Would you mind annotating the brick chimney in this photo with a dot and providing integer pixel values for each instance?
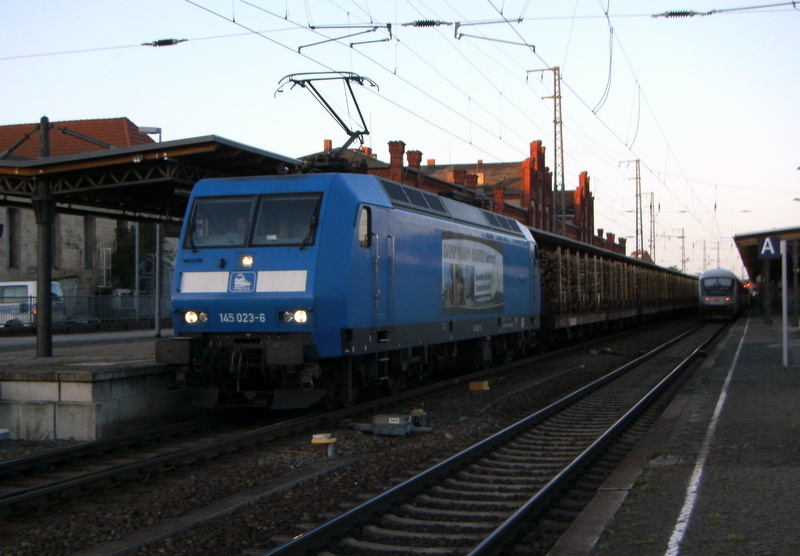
(327, 145)
(431, 162)
(499, 199)
(414, 159)
(459, 175)
(396, 150)
(471, 181)
(537, 155)
(583, 182)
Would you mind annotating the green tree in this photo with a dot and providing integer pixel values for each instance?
(123, 270)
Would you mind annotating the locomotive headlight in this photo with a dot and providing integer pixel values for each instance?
(299, 316)
(246, 261)
(191, 317)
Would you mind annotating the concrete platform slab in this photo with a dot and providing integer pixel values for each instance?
(746, 494)
(94, 386)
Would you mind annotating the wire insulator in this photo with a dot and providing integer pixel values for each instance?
(164, 42)
(677, 13)
(426, 23)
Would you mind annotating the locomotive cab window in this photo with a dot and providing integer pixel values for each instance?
(364, 227)
(718, 285)
(219, 222)
(286, 219)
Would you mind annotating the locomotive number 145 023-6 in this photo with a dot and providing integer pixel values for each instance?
(242, 317)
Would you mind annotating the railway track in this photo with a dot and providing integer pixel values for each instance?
(44, 479)
(520, 488)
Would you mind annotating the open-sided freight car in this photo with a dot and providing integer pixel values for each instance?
(586, 289)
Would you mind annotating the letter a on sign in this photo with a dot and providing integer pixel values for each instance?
(769, 248)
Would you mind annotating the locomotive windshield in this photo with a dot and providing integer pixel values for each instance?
(286, 219)
(219, 222)
(718, 285)
(280, 219)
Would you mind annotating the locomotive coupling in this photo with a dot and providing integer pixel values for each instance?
(307, 376)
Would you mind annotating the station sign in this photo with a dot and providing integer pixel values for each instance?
(769, 247)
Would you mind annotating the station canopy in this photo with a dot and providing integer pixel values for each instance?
(141, 182)
(758, 264)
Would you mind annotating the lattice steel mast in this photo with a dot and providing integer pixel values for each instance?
(639, 224)
(559, 193)
(653, 227)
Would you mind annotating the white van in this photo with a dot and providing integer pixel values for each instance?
(18, 303)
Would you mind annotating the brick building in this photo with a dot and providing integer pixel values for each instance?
(82, 245)
(521, 190)
(22, 141)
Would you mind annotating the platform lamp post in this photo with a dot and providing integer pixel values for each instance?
(44, 206)
(795, 262)
(150, 131)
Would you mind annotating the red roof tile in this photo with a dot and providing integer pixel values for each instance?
(117, 132)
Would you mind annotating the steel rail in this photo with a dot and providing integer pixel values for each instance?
(22, 464)
(500, 538)
(339, 526)
(17, 465)
(15, 502)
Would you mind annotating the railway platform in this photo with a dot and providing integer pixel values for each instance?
(718, 473)
(95, 385)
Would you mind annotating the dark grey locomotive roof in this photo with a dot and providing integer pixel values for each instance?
(410, 198)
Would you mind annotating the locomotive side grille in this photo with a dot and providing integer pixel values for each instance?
(501, 222)
(416, 199)
(411, 198)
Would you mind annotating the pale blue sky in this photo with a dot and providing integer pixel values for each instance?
(708, 103)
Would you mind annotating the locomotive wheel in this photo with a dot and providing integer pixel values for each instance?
(396, 378)
(346, 387)
(348, 401)
(394, 383)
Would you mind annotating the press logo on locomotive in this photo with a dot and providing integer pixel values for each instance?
(243, 282)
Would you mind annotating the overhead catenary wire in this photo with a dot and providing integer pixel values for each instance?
(607, 90)
(263, 34)
(447, 106)
(506, 107)
(692, 13)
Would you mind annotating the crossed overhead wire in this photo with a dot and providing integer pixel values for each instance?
(458, 30)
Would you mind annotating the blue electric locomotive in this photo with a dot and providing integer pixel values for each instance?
(293, 289)
(722, 294)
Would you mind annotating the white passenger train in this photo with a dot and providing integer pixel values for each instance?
(722, 294)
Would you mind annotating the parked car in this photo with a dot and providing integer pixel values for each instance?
(18, 303)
